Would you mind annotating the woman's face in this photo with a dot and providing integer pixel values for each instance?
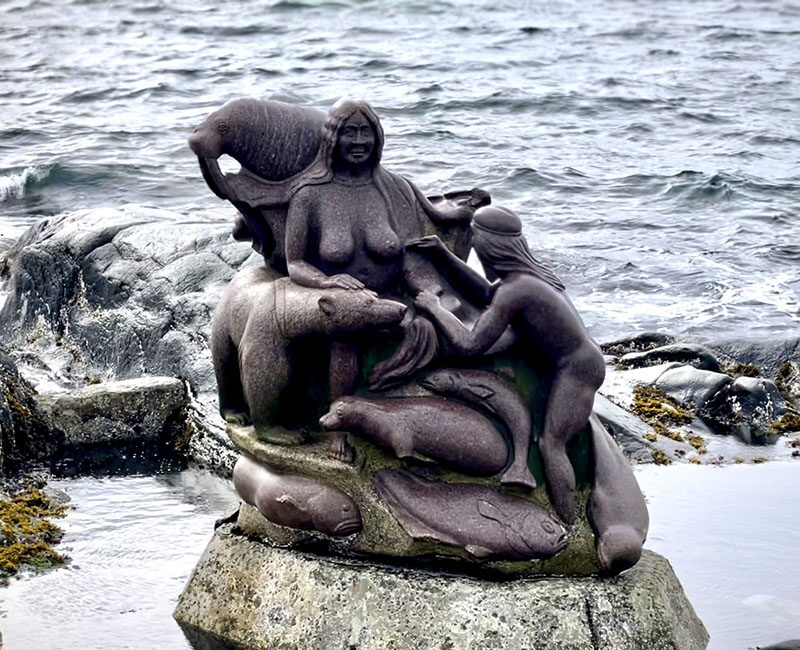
(356, 139)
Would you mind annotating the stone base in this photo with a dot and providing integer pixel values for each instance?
(244, 593)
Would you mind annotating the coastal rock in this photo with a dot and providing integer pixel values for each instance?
(249, 593)
(636, 438)
(147, 410)
(125, 292)
(636, 343)
(746, 407)
(788, 382)
(768, 354)
(691, 385)
(25, 436)
(122, 293)
(697, 356)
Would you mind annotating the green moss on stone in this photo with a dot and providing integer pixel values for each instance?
(27, 535)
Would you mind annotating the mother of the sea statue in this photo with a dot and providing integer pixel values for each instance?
(414, 434)
(464, 403)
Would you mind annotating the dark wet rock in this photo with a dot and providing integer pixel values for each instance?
(788, 382)
(128, 291)
(123, 293)
(697, 356)
(793, 644)
(746, 407)
(691, 385)
(148, 409)
(767, 354)
(25, 436)
(636, 343)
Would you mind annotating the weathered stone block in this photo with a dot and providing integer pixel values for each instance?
(246, 592)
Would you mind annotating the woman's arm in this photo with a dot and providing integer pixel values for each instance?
(487, 330)
(476, 288)
(300, 271)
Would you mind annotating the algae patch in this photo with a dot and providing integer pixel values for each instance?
(661, 412)
(26, 533)
(737, 369)
(789, 421)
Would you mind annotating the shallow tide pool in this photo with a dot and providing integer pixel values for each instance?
(731, 533)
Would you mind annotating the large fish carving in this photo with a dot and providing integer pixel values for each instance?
(484, 522)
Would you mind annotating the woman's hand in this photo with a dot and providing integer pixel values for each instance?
(427, 301)
(429, 243)
(342, 281)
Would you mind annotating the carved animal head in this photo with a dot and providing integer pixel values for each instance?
(619, 548)
(440, 381)
(334, 513)
(347, 311)
(538, 532)
(335, 417)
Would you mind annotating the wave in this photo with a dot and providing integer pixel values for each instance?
(14, 184)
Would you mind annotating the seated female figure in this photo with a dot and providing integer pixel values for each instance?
(347, 225)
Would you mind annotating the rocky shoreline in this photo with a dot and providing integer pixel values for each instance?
(107, 324)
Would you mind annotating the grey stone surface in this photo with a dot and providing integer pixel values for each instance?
(118, 412)
(691, 385)
(261, 597)
(127, 291)
(692, 354)
(768, 354)
(121, 293)
(636, 343)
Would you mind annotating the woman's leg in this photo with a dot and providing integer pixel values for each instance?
(343, 375)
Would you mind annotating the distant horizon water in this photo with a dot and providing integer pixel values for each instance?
(652, 150)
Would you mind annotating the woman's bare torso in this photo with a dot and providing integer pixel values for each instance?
(349, 232)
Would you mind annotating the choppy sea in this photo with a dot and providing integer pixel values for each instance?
(652, 149)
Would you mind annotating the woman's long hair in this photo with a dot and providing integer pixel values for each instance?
(502, 253)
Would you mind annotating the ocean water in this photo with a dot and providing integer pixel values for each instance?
(134, 540)
(652, 149)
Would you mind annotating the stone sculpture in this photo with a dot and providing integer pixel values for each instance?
(529, 295)
(481, 520)
(488, 392)
(444, 394)
(442, 430)
(296, 501)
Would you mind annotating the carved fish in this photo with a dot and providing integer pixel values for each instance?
(484, 522)
(296, 501)
(616, 508)
(487, 391)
